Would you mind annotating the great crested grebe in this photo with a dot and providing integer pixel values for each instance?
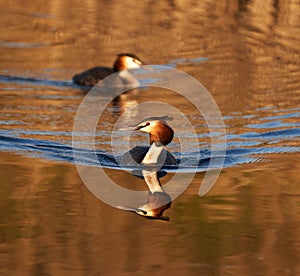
(92, 76)
(161, 134)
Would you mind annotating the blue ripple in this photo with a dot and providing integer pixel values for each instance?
(292, 132)
(273, 124)
(6, 44)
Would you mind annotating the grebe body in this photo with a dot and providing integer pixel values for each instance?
(137, 154)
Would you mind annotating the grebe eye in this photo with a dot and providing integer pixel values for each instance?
(147, 124)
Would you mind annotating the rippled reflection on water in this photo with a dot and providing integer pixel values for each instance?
(246, 53)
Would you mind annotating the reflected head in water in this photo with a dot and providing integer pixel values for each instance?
(157, 203)
(92, 76)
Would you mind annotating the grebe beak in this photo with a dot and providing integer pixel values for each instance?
(146, 67)
(132, 209)
(142, 213)
(134, 127)
(129, 128)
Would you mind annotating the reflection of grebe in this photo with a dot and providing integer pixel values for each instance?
(92, 76)
(161, 134)
(158, 201)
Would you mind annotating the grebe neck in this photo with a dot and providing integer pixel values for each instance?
(153, 153)
(150, 162)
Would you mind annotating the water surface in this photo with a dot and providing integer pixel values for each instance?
(246, 53)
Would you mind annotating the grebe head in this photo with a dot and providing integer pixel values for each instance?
(159, 131)
(156, 204)
(127, 61)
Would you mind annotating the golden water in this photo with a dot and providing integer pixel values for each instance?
(248, 224)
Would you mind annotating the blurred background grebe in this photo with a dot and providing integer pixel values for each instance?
(246, 53)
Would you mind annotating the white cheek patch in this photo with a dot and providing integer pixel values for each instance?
(130, 64)
(146, 129)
